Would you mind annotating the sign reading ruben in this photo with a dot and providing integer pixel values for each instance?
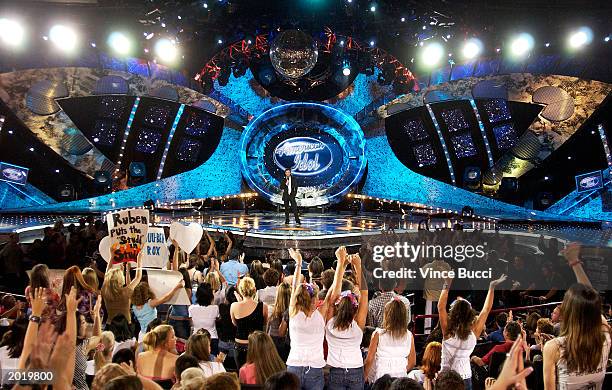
(127, 230)
(305, 156)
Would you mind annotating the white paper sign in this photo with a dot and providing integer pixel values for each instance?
(104, 248)
(187, 237)
(161, 281)
(127, 230)
(156, 252)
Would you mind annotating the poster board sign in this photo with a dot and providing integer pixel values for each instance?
(127, 230)
(156, 252)
(162, 281)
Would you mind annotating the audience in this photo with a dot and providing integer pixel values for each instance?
(282, 335)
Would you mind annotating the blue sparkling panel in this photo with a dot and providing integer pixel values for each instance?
(486, 68)
(197, 124)
(105, 132)
(461, 71)
(424, 154)
(112, 107)
(137, 66)
(454, 119)
(113, 63)
(464, 145)
(148, 141)
(157, 116)
(415, 130)
(441, 75)
(497, 110)
(189, 149)
(505, 135)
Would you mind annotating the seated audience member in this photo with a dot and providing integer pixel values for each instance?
(159, 361)
(544, 332)
(383, 383)
(204, 314)
(555, 318)
(184, 362)
(192, 379)
(405, 384)
(39, 278)
(268, 294)
(283, 296)
(497, 336)
(125, 355)
(282, 380)
(198, 345)
(449, 380)
(262, 360)
(248, 316)
(104, 350)
(125, 382)
(511, 331)
(144, 304)
(122, 331)
(222, 381)
(391, 349)
(430, 366)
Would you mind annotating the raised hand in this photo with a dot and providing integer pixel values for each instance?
(495, 283)
(295, 254)
(513, 372)
(71, 300)
(341, 254)
(37, 300)
(572, 253)
(98, 306)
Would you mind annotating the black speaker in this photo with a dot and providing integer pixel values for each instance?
(66, 192)
(543, 200)
(606, 200)
(508, 188)
(138, 174)
(472, 178)
(103, 181)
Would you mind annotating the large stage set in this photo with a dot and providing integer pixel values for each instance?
(496, 144)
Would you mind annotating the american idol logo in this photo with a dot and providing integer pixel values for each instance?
(589, 182)
(305, 156)
(13, 174)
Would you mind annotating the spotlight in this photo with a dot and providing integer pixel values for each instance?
(373, 8)
(120, 43)
(403, 19)
(11, 32)
(582, 36)
(205, 5)
(63, 37)
(472, 48)
(166, 50)
(522, 44)
(346, 70)
(432, 53)
(607, 39)
(372, 43)
(220, 41)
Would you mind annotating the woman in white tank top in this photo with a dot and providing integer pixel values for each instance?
(344, 328)
(577, 359)
(391, 348)
(460, 330)
(307, 329)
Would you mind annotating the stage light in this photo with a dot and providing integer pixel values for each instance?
(547, 44)
(581, 37)
(607, 39)
(11, 32)
(166, 50)
(373, 8)
(472, 48)
(93, 44)
(64, 38)
(403, 19)
(346, 70)
(220, 41)
(522, 44)
(372, 43)
(205, 5)
(120, 43)
(432, 54)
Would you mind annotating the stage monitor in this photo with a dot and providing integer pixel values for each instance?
(13, 173)
(592, 181)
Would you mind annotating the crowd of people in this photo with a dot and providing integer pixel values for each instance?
(300, 325)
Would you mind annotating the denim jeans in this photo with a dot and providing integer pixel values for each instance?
(310, 378)
(468, 383)
(345, 379)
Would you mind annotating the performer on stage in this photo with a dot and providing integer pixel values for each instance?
(289, 188)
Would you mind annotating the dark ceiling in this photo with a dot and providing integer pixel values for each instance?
(202, 23)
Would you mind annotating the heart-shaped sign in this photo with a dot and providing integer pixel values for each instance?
(105, 249)
(175, 227)
(187, 237)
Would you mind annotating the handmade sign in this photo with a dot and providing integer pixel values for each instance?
(105, 249)
(127, 231)
(187, 237)
(162, 281)
(156, 252)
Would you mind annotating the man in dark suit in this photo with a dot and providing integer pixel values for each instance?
(289, 187)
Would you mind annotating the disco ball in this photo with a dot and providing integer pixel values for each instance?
(293, 53)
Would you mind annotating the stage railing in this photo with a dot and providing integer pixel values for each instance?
(513, 309)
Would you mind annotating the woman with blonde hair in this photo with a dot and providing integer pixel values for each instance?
(577, 358)
(104, 350)
(217, 282)
(85, 293)
(307, 326)
(430, 366)
(248, 316)
(91, 278)
(391, 348)
(283, 296)
(158, 362)
(222, 381)
(117, 290)
(198, 345)
(262, 360)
